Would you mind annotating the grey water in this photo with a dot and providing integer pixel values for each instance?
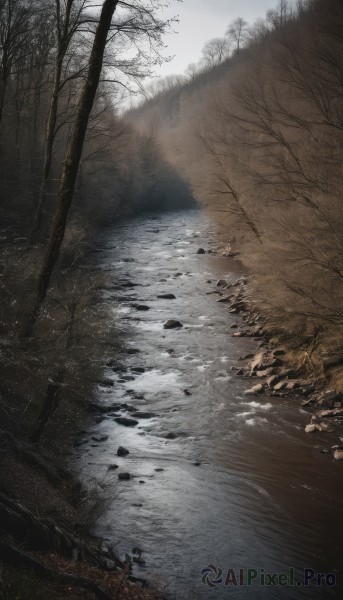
(219, 480)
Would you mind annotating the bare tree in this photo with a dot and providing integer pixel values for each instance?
(73, 157)
(15, 29)
(237, 32)
(68, 18)
(215, 51)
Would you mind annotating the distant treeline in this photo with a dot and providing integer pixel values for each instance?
(259, 137)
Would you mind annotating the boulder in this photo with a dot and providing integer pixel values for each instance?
(124, 476)
(122, 451)
(141, 307)
(201, 251)
(310, 428)
(172, 324)
(280, 386)
(265, 373)
(326, 414)
(338, 455)
(257, 389)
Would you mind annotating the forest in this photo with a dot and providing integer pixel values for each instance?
(252, 134)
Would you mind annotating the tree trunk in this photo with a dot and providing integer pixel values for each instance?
(49, 142)
(72, 160)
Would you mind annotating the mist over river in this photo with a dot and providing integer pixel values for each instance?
(217, 478)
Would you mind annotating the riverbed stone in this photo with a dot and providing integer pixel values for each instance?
(201, 251)
(310, 428)
(141, 307)
(124, 476)
(257, 389)
(280, 386)
(265, 373)
(172, 324)
(126, 421)
(122, 451)
(166, 297)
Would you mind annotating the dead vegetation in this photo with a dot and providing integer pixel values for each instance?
(260, 138)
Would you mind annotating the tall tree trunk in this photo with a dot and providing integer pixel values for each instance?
(64, 37)
(72, 159)
(49, 142)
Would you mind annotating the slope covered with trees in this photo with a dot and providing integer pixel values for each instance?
(258, 133)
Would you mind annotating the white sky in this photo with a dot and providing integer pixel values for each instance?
(201, 20)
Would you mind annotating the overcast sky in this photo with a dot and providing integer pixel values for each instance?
(201, 20)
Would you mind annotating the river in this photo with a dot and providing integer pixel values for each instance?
(219, 480)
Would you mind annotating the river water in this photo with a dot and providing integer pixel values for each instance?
(219, 480)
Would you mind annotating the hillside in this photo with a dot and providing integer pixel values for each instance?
(259, 139)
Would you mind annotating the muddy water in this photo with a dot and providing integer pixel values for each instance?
(217, 478)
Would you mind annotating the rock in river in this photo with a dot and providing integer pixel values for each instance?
(201, 251)
(338, 455)
(126, 421)
(172, 324)
(122, 451)
(141, 307)
(124, 476)
(166, 297)
(257, 389)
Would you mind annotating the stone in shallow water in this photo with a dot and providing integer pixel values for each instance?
(122, 451)
(124, 476)
(141, 307)
(126, 421)
(166, 297)
(257, 389)
(172, 324)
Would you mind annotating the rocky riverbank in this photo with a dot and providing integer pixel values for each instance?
(46, 549)
(273, 368)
